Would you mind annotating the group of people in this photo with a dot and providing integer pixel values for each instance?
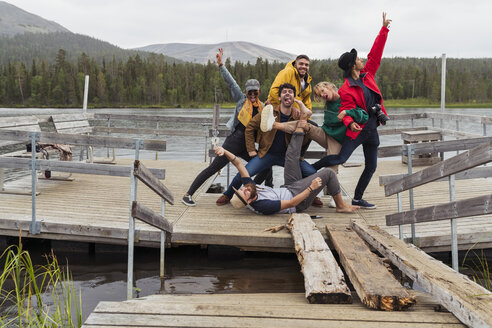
(283, 130)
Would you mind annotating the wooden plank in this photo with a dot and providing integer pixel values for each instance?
(150, 217)
(16, 122)
(481, 205)
(74, 167)
(84, 140)
(58, 118)
(169, 132)
(468, 301)
(406, 117)
(455, 117)
(323, 279)
(481, 154)
(71, 124)
(473, 173)
(390, 131)
(457, 134)
(376, 286)
(433, 147)
(420, 135)
(153, 118)
(151, 181)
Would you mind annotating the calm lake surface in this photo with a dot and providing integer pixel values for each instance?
(100, 274)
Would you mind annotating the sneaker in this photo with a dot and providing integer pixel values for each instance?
(223, 200)
(363, 204)
(317, 202)
(187, 200)
(267, 118)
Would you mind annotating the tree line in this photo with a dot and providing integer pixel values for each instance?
(154, 81)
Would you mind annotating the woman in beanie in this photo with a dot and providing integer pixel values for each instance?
(247, 106)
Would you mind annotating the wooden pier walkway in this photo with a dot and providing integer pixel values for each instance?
(96, 209)
(260, 310)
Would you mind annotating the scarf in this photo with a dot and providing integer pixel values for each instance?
(246, 113)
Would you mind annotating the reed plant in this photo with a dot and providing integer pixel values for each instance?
(479, 266)
(37, 295)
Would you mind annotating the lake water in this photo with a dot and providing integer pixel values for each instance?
(101, 275)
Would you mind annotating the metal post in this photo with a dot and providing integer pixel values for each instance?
(457, 129)
(454, 233)
(443, 85)
(413, 123)
(157, 135)
(163, 241)
(433, 123)
(131, 223)
(400, 208)
(484, 129)
(34, 227)
(86, 92)
(2, 177)
(109, 126)
(228, 172)
(410, 192)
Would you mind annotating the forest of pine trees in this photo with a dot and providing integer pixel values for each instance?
(152, 81)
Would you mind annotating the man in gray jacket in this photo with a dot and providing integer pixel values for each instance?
(247, 106)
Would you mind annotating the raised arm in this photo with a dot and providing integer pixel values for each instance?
(219, 151)
(374, 56)
(297, 199)
(236, 92)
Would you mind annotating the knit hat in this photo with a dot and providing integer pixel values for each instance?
(252, 84)
(347, 60)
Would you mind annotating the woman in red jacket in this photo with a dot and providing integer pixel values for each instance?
(360, 90)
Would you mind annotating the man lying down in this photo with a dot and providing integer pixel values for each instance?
(297, 194)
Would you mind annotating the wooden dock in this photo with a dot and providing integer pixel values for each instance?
(96, 209)
(260, 310)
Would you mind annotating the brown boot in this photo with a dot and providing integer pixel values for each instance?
(317, 202)
(223, 200)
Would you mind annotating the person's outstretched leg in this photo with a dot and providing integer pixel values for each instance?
(348, 148)
(370, 147)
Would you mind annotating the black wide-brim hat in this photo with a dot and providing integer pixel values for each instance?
(347, 60)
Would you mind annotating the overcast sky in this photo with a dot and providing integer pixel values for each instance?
(318, 28)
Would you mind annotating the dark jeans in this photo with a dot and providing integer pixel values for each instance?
(235, 144)
(369, 139)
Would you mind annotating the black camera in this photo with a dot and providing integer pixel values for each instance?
(380, 115)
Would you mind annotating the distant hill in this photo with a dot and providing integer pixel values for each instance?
(24, 37)
(237, 51)
(14, 20)
(28, 46)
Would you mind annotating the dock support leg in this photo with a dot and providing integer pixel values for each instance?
(454, 233)
(410, 192)
(163, 242)
(34, 227)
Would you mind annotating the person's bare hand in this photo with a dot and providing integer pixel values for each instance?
(386, 22)
(303, 124)
(341, 115)
(316, 183)
(252, 153)
(218, 56)
(355, 127)
(219, 151)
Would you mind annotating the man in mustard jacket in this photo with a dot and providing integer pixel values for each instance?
(295, 73)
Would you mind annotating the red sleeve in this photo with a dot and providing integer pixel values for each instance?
(347, 102)
(374, 56)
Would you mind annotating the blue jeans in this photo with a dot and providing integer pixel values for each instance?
(258, 164)
(369, 139)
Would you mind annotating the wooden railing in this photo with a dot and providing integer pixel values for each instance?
(142, 213)
(481, 205)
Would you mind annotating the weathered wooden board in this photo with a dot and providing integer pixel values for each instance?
(478, 155)
(323, 278)
(148, 216)
(152, 181)
(376, 286)
(473, 173)
(74, 167)
(480, 205)
(468, 301)
(84, 140)
(259, 310)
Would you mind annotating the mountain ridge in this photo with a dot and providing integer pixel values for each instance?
(241, 51)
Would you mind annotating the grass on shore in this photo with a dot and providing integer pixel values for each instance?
(36, 296)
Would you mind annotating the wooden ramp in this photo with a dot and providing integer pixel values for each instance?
(96, 209)
(260, 310)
